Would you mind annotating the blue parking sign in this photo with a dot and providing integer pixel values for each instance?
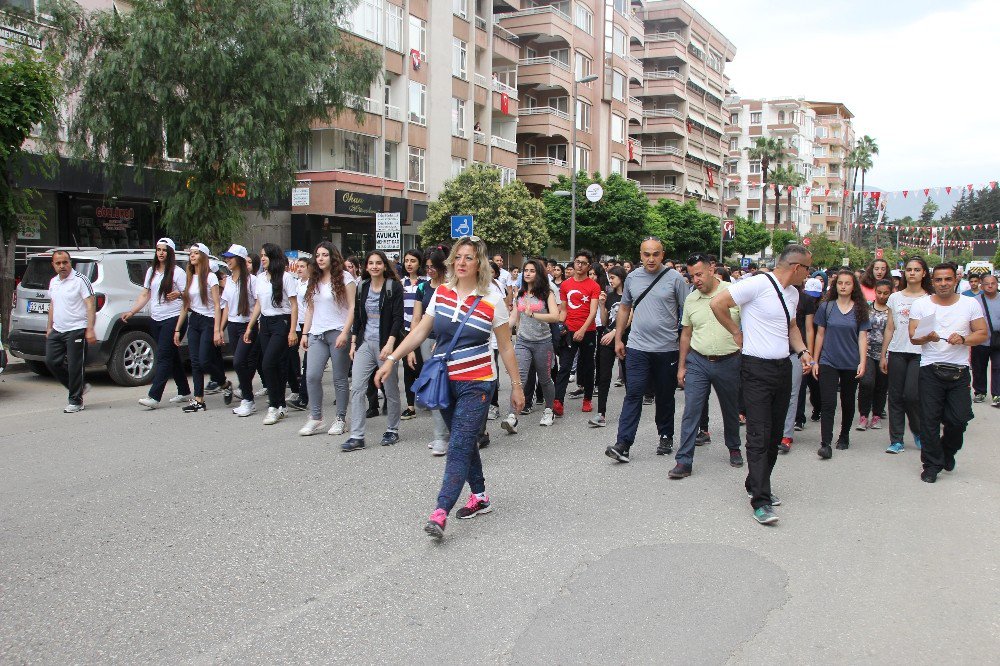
(745, 262)
(461, 225)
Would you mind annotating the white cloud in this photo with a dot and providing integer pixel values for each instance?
(918, 78)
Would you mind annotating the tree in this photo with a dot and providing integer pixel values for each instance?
(232, 85)
(751, 238)
(861, 159)
(683, 228)
(614, 225)
(996, 258)
(781, 238)
(766, 150)
(505, 217)
(28, 96)
(788, 178)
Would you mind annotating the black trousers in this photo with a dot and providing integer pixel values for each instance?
(168, 359)
(904, 394)
(245, 356)
(983, 356)
(831, 383)
(410, 375)
(873, 390)
(274, 356)
(66, 356)
(584, 366)
(770, 381)
(605, 365)
(945, 409)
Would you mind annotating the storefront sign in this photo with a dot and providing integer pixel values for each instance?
(14, 38)
(300, 196)
(387, 231)
(29, 227)
(346, 202)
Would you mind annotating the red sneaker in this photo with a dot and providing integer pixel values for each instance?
(786, 445)
(587, 407)
(557, 407)
(435, 524)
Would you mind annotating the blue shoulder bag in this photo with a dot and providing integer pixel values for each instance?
(431, 388)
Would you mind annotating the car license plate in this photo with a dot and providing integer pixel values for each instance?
(40, 307)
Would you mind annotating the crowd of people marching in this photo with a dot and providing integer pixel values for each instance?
(766, 340)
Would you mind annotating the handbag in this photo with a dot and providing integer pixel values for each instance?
(994, 334)
(431, 389)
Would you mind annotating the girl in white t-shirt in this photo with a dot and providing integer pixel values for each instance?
(237, 304)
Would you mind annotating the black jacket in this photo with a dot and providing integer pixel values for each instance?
(390, 305)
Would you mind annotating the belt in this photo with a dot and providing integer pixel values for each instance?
(716, 357)
(769, 361)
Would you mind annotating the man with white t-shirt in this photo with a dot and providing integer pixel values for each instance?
(769, 335)
(945, 397)
(70, 328)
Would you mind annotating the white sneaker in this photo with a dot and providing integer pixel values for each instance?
(311, 427)
(149, 402)
(272, 416)
(439, 447)
(262, 391)
(510, 424)
(72, 409)
(493, 414)
(547, 417)
(338, 427)
(246, 408)
(181, 399)
(293, 398)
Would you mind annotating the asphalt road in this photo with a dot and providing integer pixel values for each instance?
(135, 536)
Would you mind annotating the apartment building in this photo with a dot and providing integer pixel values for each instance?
(678, 96)
(792, 121)
(831, 176)
(447, 98)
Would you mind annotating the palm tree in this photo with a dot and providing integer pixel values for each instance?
(788, 178)
(861, 159)
(766, 150)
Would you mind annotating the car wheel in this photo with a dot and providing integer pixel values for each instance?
(38, 367)
(132, 359)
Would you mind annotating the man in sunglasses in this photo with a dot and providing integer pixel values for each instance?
(766, 302)
(651, 301)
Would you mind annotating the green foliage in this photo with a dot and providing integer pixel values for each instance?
(781, 238)
(996, 258)
(928, 211)
(683, 228)
(507, 217)
(239, 82)
(614, 225)
(751, 238)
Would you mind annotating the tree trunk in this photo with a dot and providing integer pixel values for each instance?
(777, 206)
(6, 281)
(764, 163)
(854, 213)
(862, 204)
(790, 213)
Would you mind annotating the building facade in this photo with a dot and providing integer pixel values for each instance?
(831, 210)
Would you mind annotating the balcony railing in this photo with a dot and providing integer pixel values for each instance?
(535, 11)
(635, 100)
(533, 161)
(480, 22)
(393, 112)
(366, 104)
(666, 74)
(480, 80)
(659, 189)
(670, 35)
(662, 150)
(544, 60)
(662, 113)
(503, 144)
(540, 110)
(503, 33)
(501, 87)
(479, 138)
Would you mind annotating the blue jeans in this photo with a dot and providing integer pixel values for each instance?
(168, 359)
(465, 417)
(703, 375)
(658, 370)
(201, 347)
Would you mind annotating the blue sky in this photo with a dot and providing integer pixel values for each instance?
(916, 74)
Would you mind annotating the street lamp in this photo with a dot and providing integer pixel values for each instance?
(572, 214)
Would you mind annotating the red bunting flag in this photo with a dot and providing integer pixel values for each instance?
(807, 190)
(970, 187)
(905, 192)
(927, 191)
(947, 189)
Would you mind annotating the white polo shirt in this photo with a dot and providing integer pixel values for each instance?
(69, 311)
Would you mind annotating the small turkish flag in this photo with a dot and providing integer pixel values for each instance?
(905, 192)
(690, 126)
(711, 178)
(927, 191)
(415, 58)
(505, 104)
(948, 189)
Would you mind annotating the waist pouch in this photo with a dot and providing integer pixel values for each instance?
(948, 372)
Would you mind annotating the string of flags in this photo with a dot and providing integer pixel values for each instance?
(805, 191)
(924, 242)
(921, 229)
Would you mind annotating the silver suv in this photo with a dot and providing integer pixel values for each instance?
(127, 350)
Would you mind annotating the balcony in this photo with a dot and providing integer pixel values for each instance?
(663, 158)
(529, 23)
(541, 170)
(732, 202)
(503, 144)
(545, 71)
(479, 137)
(784, 128)
(545, 121)
(505, 45)
(663, 120)
(659, 189)
(732, 129)
(366, 104)
(667, 82)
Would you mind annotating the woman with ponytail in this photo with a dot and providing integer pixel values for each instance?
(237, 305)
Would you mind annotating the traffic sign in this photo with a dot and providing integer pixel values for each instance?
(461, 225)
(807, 241)
(594, 192)
(878, 253)
(745, 263)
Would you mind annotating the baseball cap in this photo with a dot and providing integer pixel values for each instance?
(813, 287)
(896, 273)
(201, 247)
(235, 251)
(214, 265)
(166, 241)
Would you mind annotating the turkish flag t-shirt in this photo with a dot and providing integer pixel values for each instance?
(577, 295)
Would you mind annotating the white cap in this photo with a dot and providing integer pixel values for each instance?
(201, 247)
(166, 241)
(214, 265)
(814, 285)
(236, 251)
(896, 273)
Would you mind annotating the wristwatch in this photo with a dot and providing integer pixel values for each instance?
(392, 358)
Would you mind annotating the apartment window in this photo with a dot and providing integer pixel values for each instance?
(734, 118)
(530, 150)
(460, 59)
(418, 103)
(584, 65)
(821, 132)
(618, 166)
(418, 36)
(417, 179)
(391, 160)
(582, 115)
(559, 104)
(394, 27)
(366, 20)
(582, 159)
(457, 166)
(530, 102)
(617, 128)
(557, 152)
(754, 192)
(618, 85)
(562, 55)
(734, 143)
(755, 166)
(458, 117)
(819, 209)
(583, 19)
(458, 7)
(621, 6)
(507, 176)
(733, 167)
(348, 151)
(619, 42)
(819, 151)
(755, 117)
